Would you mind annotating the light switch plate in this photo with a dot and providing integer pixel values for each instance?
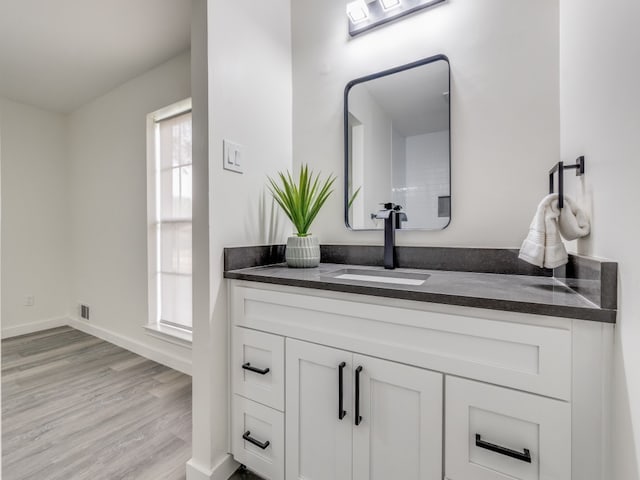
(232, 156)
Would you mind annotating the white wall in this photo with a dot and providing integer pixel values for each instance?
(600, 105)
(248, 94)
(504, 101)
(377, 149)
(108, 205)
(398, 165)
(35, 253)
(427, 178)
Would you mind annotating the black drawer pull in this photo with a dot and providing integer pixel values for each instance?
(247, 436)
(341, 410)
(261, 371)
(358, 418)
(523, 457)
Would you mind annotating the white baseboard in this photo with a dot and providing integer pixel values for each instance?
(222, 471)
(32, 327)
(134, 346)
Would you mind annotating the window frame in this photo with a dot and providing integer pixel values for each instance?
(170, 331)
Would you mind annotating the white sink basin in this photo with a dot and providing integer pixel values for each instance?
(381, 276)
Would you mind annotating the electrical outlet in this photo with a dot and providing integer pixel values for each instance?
(29, 301)
(84, 311)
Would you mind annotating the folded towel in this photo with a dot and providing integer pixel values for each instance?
(573, 221)
(543, 246)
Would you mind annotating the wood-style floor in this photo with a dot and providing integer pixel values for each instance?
(75, 407)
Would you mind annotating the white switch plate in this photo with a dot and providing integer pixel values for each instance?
(232, 156)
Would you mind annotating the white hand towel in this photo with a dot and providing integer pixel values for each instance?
(573, 221)
(543, 246)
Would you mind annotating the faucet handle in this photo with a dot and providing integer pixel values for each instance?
(391, 206)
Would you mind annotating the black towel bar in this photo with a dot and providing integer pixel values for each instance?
(560, 167)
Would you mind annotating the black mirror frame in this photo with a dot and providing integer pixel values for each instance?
(373, 76)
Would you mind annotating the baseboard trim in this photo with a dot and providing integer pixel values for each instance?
(222, 471)
(138, 348)
(32, 327)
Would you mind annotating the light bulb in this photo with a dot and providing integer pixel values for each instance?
(358, 11)
(389, 4)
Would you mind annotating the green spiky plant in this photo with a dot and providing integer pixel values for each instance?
(353, 197)
(301, 200)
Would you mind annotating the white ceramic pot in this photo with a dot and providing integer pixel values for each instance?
(302, 252)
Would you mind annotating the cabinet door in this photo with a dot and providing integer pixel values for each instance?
(318, 442)
(400, 432)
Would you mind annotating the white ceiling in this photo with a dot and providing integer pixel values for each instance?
(59, 54)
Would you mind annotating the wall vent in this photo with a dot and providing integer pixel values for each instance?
(84, 311)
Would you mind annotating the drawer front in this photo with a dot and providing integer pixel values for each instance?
(493, 433)
(257, 438)
(258, 366)
(522, 356)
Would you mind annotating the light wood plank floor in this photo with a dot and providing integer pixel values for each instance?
(75, 407)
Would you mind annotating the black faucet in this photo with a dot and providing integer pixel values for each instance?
(393, 218)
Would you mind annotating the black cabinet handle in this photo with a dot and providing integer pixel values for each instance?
(247, 436)
(260, 371)
(522, 456)
(341, 410)
(358, 418)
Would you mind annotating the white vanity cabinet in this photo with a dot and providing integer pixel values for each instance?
(337, 386)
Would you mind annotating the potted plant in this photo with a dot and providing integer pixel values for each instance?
(301, 201)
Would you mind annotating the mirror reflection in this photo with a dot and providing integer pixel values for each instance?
(397, 146)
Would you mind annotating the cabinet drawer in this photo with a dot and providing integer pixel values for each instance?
(257, 437)
(493, 433)
(257, 368)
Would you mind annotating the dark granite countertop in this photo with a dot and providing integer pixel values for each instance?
(536, 294)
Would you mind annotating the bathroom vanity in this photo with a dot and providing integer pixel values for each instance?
(349, 372)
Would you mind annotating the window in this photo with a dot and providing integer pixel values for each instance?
(169, 210)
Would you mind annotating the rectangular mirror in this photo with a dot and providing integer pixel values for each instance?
(397, 146)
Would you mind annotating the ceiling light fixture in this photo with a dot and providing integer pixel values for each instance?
(367, 14)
